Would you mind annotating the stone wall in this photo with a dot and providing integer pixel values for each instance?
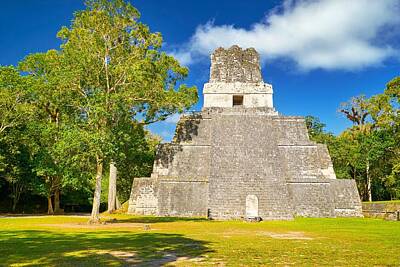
(386, 210)
(244, 163)
(143, 199)
(312, 198)
(221, 94)
(181, 170)
(347, 199)
(182, 198)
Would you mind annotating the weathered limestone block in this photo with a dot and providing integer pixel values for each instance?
(143, 199)
(187, 157)
(189, 131)
(312, 198)
(235, 65)
(387, 210)
(183, 198)
(347, 200)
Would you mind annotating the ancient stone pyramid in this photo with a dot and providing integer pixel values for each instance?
(240, 159)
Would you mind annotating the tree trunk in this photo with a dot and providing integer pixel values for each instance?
(95, 217)
(369, 188)
(14, 205)
(49, 206)
(112, 188)
(17, 189)
(118, 204)
(57, 209)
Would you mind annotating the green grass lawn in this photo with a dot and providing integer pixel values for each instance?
(150, 241)
(383, 202)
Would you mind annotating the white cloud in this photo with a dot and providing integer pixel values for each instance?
(327, 34)
(173, 119)
(184, 57)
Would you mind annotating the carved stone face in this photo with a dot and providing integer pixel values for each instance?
(235, 65)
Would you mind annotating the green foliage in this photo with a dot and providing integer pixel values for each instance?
(15, 112)
(316, 130)
(86, 104)
(14, 104)
(136, 160)
(373, 151)
(120, 76)
(50, 124)
(119, 73)
(314, 126)
(369, 150)
(17, 166)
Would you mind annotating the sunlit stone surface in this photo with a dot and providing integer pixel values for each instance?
(239, 159)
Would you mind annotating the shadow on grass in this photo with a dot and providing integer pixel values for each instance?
(96, 248)
(153, 219)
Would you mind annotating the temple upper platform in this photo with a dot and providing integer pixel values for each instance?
(236, 80)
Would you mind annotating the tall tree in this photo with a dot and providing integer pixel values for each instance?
(357, 111)
(120, 75)
(385, 110)
(374, 135)
(15, 112)
(50, 98)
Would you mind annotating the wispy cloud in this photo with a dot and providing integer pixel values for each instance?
(173, 118)
(325, 34)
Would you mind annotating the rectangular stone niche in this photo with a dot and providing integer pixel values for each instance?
(238, 100)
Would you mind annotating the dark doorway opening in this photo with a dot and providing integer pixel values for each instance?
(237, 100)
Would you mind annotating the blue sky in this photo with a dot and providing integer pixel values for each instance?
(316, 54)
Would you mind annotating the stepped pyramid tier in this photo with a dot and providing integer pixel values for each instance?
(239, 159)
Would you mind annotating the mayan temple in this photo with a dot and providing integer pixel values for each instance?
(240, 159)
